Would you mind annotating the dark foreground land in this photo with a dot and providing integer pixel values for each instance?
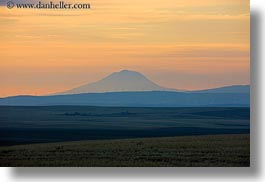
(49, 124)
(124, 136)
(211, 150)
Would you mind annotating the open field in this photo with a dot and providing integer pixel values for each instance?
(25, 125)
(124, 136)
(211, 150)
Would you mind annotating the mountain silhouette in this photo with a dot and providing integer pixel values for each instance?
(132, 89)
(123, 81)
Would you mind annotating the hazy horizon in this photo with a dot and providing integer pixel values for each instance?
(176, 44)
(120, 71)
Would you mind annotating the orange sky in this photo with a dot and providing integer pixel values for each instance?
(177, 44)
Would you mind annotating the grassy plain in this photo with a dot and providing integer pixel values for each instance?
(182, 151)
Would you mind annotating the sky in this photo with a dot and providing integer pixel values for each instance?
(177, 44)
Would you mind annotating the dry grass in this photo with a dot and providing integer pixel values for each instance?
(206, 151)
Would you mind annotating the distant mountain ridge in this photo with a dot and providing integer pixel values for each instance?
(226, 89)
(123, 81)
(130, 88)
(135, 99)
(132, 81)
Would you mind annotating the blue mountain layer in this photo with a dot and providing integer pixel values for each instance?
(135, 99)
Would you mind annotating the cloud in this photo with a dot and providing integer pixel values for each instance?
(208, 53)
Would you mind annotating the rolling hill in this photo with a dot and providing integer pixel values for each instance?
(135, 99)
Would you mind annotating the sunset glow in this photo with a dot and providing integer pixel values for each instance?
(177, 44)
